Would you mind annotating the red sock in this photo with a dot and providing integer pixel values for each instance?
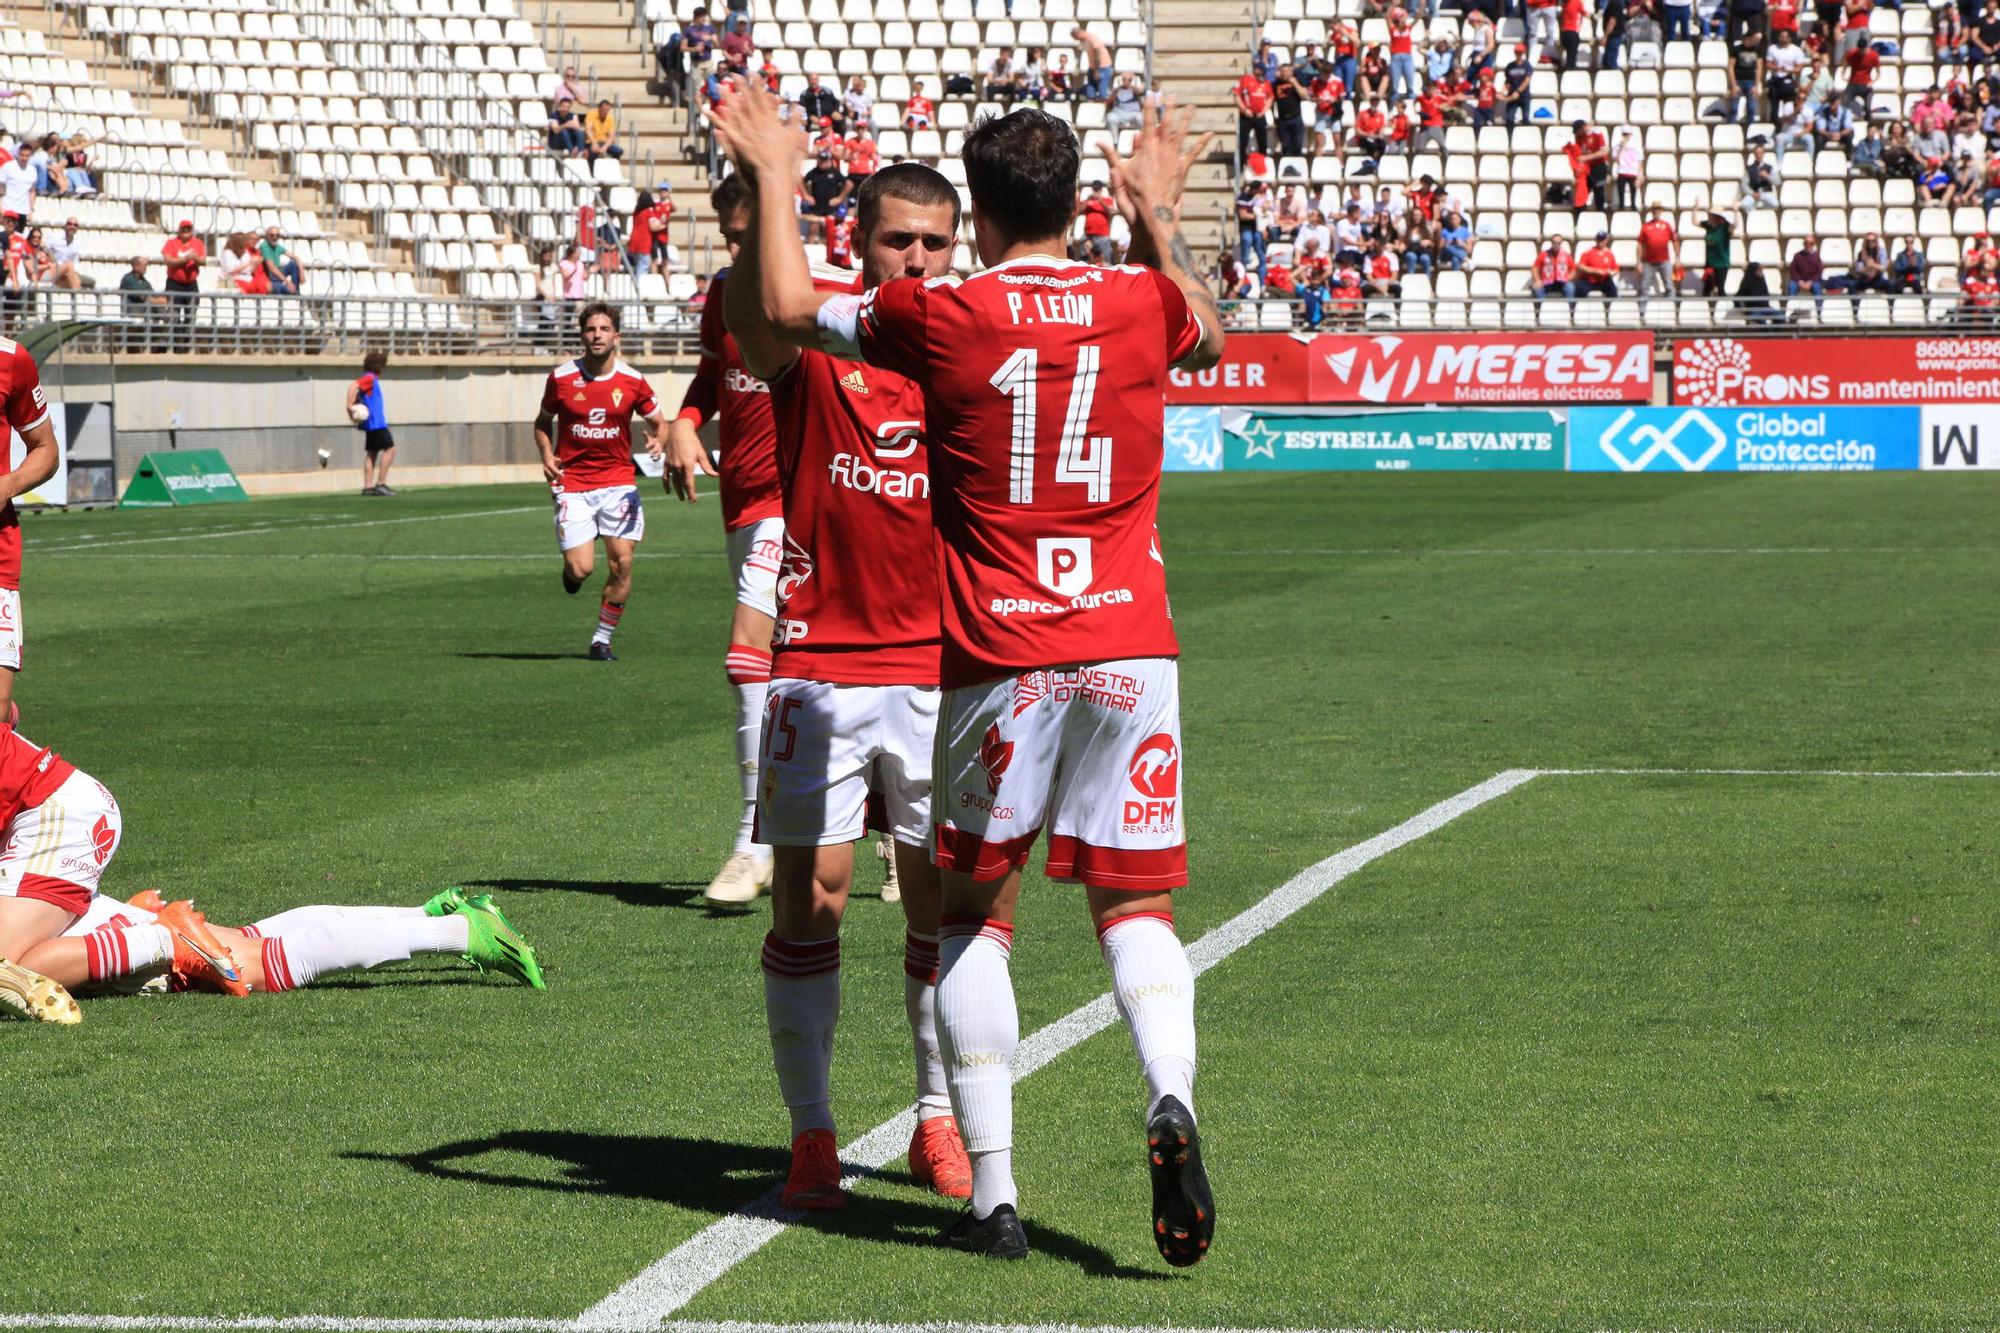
(607, 621)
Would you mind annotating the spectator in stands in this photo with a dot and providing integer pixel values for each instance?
(1716, 233)
(1990, 196)
(1278, 282)
(568, 90)
(1266, 61)
(863, 157)
(600, 132)
(1753, 296)
(1516, 104)
(1482, 42)
(1330, 104)
(140, 302)
(1249, 231)
(38, 265)
(1373, 80)
(1288, 99)
(1746, 79)
(1853, 28)
(1312, 275)
(1346, 292)
(1615, 21)
(1380, 268)
(737, 45)
(1097, 210)
(18, 185)
(574, 271)
(74, 155)
(1289, 211)
(1870, 270)
(1544, 28)
(669, 60)
(1806, 273)
(1253, 104)
(1969, 140)
(1797, 132)
(1966, 183)
(1933, 140)
(1097, 64)
(1597, 268)
(1867, 159)
(1554, 271)
(1760, 181)
(1431, 110)
(858, 105)
(1125, 108)
(549, 287)
(1371, 130)
(1680, 20)
(1440, 61)
(1315, 228)
(1350, 234)
(1864, 64)
(1485, 97)
(241, 267)
(1745, 17)
(1948, 38)
(818, 103)
(1833, 127)
(825, 189)
(919, 110)
(282, 275)
(65, 253)
(1657, 242)
(1783, 63)
(185, 253)
(1911, 267)
(1628, 165)
(1403, 80)
(1935, 182)
(1594, 163)
(1003, 80)
(639, 234)
(1570, 23)
(1454, 240)
(566, 130)
(699, 39)
(1979, 294)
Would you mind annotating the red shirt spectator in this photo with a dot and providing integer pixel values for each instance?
(1399, 126)
(1256, 94)
(1572, 16)
(178, 252)
(918, 112)
(1382, 266)
(1345, 42)
(1278, 278)
(1981, 290)
(1553, 266)
(1097, 211)
(1656, 241)
(1784, 16)
(1370, 121)
(1598, 262)
(1401, 40)
(1329, 94)
(862, 156)
(1430, 107)
(1862, 62)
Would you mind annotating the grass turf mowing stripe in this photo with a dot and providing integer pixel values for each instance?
(339, 1324)
(683, 1272)
(267, 529)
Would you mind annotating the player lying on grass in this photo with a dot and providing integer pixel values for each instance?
(584, 431)
(1043, 383)
(852, 705)
(61, 829)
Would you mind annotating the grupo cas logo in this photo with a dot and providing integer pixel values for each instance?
(994, 756)
(1719, 372)
(103, 837)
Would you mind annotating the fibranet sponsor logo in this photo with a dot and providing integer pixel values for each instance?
(858, 474)
(1391, 369)
(742, 381)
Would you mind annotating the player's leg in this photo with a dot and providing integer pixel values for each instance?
(576, 536)
(26, 923)
(388, 456)
(755, 550)
(818, 744)
(1116, 823)
(367, 470)
(621, 522)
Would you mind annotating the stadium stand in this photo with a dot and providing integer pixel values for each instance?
(1745, 152)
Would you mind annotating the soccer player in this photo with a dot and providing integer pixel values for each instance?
(753, 525)
(1043, 385)
(378, 445)
(26, 408)
(585, 435)
(854, 685)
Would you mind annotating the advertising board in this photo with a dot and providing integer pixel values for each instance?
(1692, 439)
(1959, 437)
(1435, 441)
(1837, 372)
(1485, 368)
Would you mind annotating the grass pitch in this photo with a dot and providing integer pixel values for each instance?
(1636, 1052)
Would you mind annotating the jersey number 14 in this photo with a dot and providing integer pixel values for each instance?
(1083, 459)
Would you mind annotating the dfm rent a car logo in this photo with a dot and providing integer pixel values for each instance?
(1634, 449)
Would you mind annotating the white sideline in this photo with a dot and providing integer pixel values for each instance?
(212, 534)
(678, 1276)
(1763, 773)
(361, 1324)
(335, 1323)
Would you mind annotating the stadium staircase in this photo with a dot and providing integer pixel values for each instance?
(1199, 50)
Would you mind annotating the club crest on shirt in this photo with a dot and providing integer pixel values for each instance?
(617, 397)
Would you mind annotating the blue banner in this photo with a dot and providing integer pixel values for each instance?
(1193, 439)
(1752, 439)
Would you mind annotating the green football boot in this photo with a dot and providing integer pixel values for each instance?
(444, 904)
(495, 945)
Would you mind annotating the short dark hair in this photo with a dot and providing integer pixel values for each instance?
(594, 309)
(731, 194)
(1022, 170)
(375, 362)
(913, 183)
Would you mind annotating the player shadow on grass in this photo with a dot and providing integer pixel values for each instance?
(711, 1176)
(631, 892)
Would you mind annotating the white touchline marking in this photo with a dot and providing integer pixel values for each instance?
(365, 1324)
(1586, 551)
(678, 1276)
(1763, 773)
(212, 534)
(550, 558)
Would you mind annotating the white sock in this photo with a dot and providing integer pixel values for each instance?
(978, 1029)
(749, 672)
(124, 951)
(801, 1006)
(1154, 987)
(920, 962)
(336, 945)
(298, 918)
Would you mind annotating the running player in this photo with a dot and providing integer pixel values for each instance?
(27, 411)
(853, 695)
(754, 524)
(1043, 384)
(585, 435)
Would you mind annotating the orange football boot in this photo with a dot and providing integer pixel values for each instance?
(938, 1160)
(148, 900)
(200, 961)
(815, 1179)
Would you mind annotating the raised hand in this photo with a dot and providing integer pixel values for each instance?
(749, 125)
(1155, 176)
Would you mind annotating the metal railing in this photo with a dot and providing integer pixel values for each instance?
(1781, 316)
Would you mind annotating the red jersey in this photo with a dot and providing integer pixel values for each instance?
(1043, 383)
(1097, 211)
(26, 407)
(28, 774)
(858, 590)
(1557, 267)
(593, 422)
(862, 156)
(749, 467)
(1656, 242)
(840, 242)
(179, 254)
(1256, 93)
(1862, 62)
(1980, 292)
(918, 111)
(1784, 15)
(1598, 262)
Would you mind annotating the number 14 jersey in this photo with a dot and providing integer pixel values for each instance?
(1043, 386)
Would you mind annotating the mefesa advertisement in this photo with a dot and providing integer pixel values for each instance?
(1411, 368)
(1439, 441)
(1691, 439)
(1759, 372)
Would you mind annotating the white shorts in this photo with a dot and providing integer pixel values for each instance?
(57, 850)
(826, 747)
(1091, 753)
(10, 629)
(107, 912)
(755, 552)
(610, 511)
